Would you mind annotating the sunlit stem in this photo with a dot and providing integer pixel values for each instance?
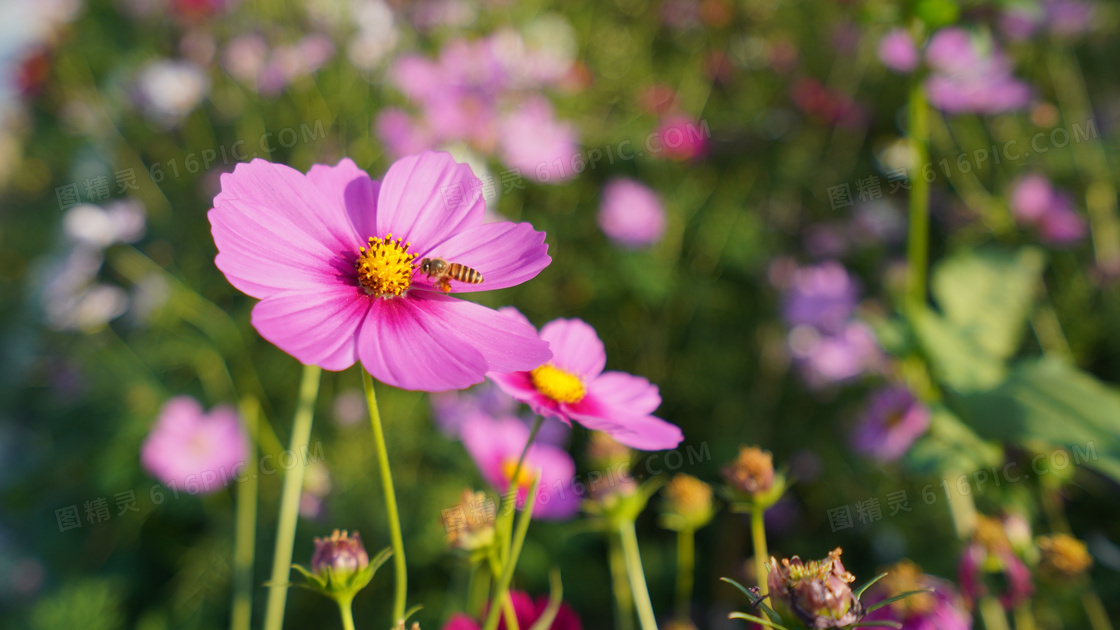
(917, 249)
(503, 581)
(623, 600)
(1094, 609)
(346, 612)
(289, 500)
(992, 613)
(245, 537)
(1024, 618)
(506, 513)
(686, 565)
(508, 612)
(761, 555)
(637, 575)
(400, 567)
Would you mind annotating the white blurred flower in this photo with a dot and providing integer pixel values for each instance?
(377, 33)
(245, 56)
(170, 89)
(119, 222)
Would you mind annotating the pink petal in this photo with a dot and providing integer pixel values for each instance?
(318, 327)
(629, 394)
(519, 386)
(491, 442)
(576, 347)
(507, 344)
(511, 311)
(405, 346)
(426, 198)
(644, 433)
(350, 195)
(272, 234)
(505, 253)
(556, 499)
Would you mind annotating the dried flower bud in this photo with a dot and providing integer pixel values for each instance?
(341, 554)
(470, 524)
(752, 472)
(688, 503)
(1063, 557)
(818, 592)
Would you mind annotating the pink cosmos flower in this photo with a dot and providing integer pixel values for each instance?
(898, 52)
(683, 138)
(573, 386)
(191, 450)
(527, 611)
(631, 213)
(496, 445)
(334, 258)
(893, 421)
(535, 141)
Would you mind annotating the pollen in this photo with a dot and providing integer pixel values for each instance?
(561, 386)
(524, 476)
(385, 267)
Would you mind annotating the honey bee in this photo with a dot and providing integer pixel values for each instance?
(444, 272)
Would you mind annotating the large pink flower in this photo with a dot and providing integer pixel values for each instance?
(192, 451)
(334, 257)
(496, 445)
(573, 386)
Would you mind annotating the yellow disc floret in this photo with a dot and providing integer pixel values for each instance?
(557, 384)
(385, 267)
(524, 477)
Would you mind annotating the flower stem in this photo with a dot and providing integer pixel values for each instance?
(395, 537)
(1094, 609)
(992, 613)
(623, 601)
(509, 500)
(917, 249)
(289, 500)
(761, 555)
(1024, 618)
(637, 575)
(502, 582)
(508, 612)
(686, 565)
(245, 538)
(347, 613)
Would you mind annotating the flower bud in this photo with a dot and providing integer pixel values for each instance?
(688, 503)
(818, 592)
(470, 524)
(604, 453)
(752, 472)
(1063, 557)
(340, 554)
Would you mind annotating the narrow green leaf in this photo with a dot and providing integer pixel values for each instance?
(759, 620)
(891, 600)
(859, 591)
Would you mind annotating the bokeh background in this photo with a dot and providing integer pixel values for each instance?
(754, 269)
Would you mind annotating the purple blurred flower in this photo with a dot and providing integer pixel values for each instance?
(823, 296)
(942, 609)
(497, 444)
(1062, 226)
(1069, 17)
(830, 359)
(893, 420)
(1035, 202)
(967, 79)
(1031, 197)
(631, 213)
(188, 448)
(898, 52)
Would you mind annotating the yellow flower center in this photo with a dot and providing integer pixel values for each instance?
(557, 384)
(385, 267)
(524, 476)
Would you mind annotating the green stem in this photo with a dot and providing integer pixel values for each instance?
(395, 537)
(289, 500)
(346, 612)
(623, 601)
(686, 565)
(637, 575)
(761, 555)
(1098, 616)
(992, 613)
(502, 582)
(1024, 618)
(507, 603)
(917, 250)
(245, 538)
(509, 500)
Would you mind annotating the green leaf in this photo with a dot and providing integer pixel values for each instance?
(877, 624)
(859, 591)
(950, 445)
(891, 600)
(759, 620)
(1048, 401)
(955, 358)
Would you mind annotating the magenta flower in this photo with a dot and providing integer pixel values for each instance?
(631, 214)
(1035, 202)
(966, 78)
(496, 445)
(334, 257)
(533, 140)
(943, 609)
(893, 420)
(682, 138)
(193, 451)
(898, 52)
(527, 611)
(573, 386)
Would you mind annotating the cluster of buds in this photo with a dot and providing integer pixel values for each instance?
(340, 566)
(751, 479)
(688, 504)
(474, 530)
(819, 592)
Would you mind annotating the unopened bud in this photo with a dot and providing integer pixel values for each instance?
(688, 503)
(818, 592)
(1063, 557)
(340, 554)
(752, 472)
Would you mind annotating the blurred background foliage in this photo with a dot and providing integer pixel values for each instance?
(1014, 353)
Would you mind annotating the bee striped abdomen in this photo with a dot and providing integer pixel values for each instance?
(463, 273)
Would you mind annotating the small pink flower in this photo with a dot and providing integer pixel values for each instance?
(682, 138)
(193, 451)
(334, 258)
(573, 386)
(898, 52)
(496, 445)
(535, 141)
(631, 213)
